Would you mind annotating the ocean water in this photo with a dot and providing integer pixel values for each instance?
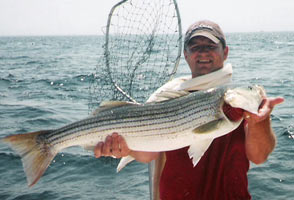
(44, 84)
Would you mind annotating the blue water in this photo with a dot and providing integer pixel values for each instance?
(44, 84)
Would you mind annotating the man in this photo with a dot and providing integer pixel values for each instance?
(221, 173)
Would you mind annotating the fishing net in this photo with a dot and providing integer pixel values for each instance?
(142, 49)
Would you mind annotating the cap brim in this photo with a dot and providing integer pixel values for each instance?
(206, 34)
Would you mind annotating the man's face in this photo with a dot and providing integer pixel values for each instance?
(204, 56)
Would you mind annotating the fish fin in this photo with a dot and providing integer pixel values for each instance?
(170, 94)
(197, 149)
(36, 154)
(123, 162)
(217, 127)
(105, 105)
(111, 104)
(208, 127)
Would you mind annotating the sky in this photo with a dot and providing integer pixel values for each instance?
(88, 17)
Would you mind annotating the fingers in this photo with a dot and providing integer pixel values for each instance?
(268, 105)
(264, 111)
(125, 151)
(116, 150)
(98, 150)
(276, 101)
(114, 145)
(107, 150)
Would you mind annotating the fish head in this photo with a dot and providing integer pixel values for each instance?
(247, 98)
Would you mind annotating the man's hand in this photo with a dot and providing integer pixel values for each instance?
(114, 145)
(264, 111)
(260, 138)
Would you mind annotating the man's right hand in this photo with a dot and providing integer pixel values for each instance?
(114, 145)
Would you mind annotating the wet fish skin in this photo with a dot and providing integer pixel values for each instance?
(191, 120)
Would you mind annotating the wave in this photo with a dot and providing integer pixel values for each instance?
(32, 62)
(14, 57)
(4, 82)
(290, 132)
(53, 93)
(284, 43)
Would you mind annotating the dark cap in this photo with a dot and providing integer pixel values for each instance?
(207, 29)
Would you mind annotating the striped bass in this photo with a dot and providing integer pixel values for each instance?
(186, 119)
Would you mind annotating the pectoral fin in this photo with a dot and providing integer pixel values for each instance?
(216, 128)
(123, 162)
(209, 127)
(197, 149)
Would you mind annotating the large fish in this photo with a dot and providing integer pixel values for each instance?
(188, 119)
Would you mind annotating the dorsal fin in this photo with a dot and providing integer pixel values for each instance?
(105, 105)
(111, 104)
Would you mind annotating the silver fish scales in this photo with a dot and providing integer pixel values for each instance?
(150, 119)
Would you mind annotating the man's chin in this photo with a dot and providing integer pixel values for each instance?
(204, 71)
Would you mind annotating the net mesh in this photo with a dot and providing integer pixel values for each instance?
(142, 50)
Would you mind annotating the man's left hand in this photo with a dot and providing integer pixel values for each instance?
(264, 111)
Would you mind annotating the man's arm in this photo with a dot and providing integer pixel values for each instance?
(260, 137)
(115, 145)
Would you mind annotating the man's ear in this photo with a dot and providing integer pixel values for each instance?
(226, 52)
(185, 54)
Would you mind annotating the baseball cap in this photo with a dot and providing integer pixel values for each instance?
(207, 29)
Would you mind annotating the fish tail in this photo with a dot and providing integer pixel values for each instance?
(35, 153)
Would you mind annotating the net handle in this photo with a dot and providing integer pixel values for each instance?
(179, 42)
